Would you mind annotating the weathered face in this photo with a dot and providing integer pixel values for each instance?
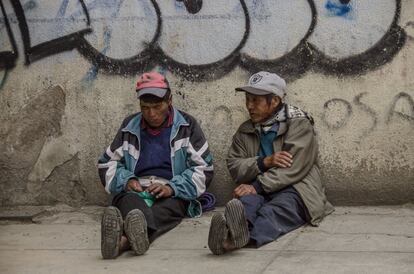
(258, 108)
(155, 113)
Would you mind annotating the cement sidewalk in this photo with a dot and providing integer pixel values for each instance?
(351, 240)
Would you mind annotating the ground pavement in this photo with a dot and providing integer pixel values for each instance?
(62, 239)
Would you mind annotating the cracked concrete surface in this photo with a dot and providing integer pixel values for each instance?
(23, 139)
(65, 239)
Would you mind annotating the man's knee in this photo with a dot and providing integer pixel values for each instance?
(283, 210)
(127, 201)
(128, 197)
(252, 200)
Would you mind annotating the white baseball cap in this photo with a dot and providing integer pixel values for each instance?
(263, 83)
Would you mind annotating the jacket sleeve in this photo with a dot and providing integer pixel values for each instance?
(242, 167)
(111, 165)
(198, 167)
(304, 148)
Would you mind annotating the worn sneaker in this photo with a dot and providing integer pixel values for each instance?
(111, 232)
(217, 234)
(136, 231)
(237, 223)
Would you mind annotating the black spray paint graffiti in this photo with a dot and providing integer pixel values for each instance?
(369, 111)
(3, 77)
(401, 97)
(304, 56)
(8, 58)
(37, 52)
(192, 6)
(338, 112)
(340, 105)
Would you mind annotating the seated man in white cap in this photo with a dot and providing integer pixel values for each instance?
(273, 159)
(155, 168)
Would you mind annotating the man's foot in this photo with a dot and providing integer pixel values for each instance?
(136, 231)
(124, 244)
(237, 223)
(111, 232)
(217, 234)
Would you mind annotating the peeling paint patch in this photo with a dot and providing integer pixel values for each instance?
(63, 185)
(54, 153)
(26, 134)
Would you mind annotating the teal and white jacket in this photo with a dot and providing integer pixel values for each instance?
(191, 160)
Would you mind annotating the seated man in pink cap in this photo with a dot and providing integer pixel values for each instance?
(273, 159)
(155, 168)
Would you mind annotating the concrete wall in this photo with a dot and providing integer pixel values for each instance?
(68, 70)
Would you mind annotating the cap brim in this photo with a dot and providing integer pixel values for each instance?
(252, 90)
(159, 92)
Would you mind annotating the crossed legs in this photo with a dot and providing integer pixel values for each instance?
(265, 218)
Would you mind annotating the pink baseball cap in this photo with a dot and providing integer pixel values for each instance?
(152, 83)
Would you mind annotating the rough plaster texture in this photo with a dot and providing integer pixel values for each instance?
(60, 108)
(351, 240)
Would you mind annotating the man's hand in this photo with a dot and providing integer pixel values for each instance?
(160, 190)
(243, 189)
(278, 159)
(133, 185)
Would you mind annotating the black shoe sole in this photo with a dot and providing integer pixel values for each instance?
(111, 232)
(217, 234)
(237, 223)
(136, 231)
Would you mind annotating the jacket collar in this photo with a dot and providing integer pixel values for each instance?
(280, 117)
(248, 127)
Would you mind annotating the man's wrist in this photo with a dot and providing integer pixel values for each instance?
(263, 163)
(171, 188)
(130, 180)
(258, 187)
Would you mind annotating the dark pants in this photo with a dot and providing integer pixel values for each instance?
(272, 215)
(163, 216)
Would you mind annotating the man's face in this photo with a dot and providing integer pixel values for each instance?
(155, 113)
(258, 108)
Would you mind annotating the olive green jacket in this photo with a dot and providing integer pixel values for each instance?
(296, 134)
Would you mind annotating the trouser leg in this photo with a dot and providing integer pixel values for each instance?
(283, 212)
(252, 203)
(127, 201)
(163, 216)
(167, 214)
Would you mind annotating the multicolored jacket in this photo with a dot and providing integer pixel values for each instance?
(191, 159)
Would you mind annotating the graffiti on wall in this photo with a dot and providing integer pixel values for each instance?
(338, 112)
(409, 102)
(3, 77)
(201, 40)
